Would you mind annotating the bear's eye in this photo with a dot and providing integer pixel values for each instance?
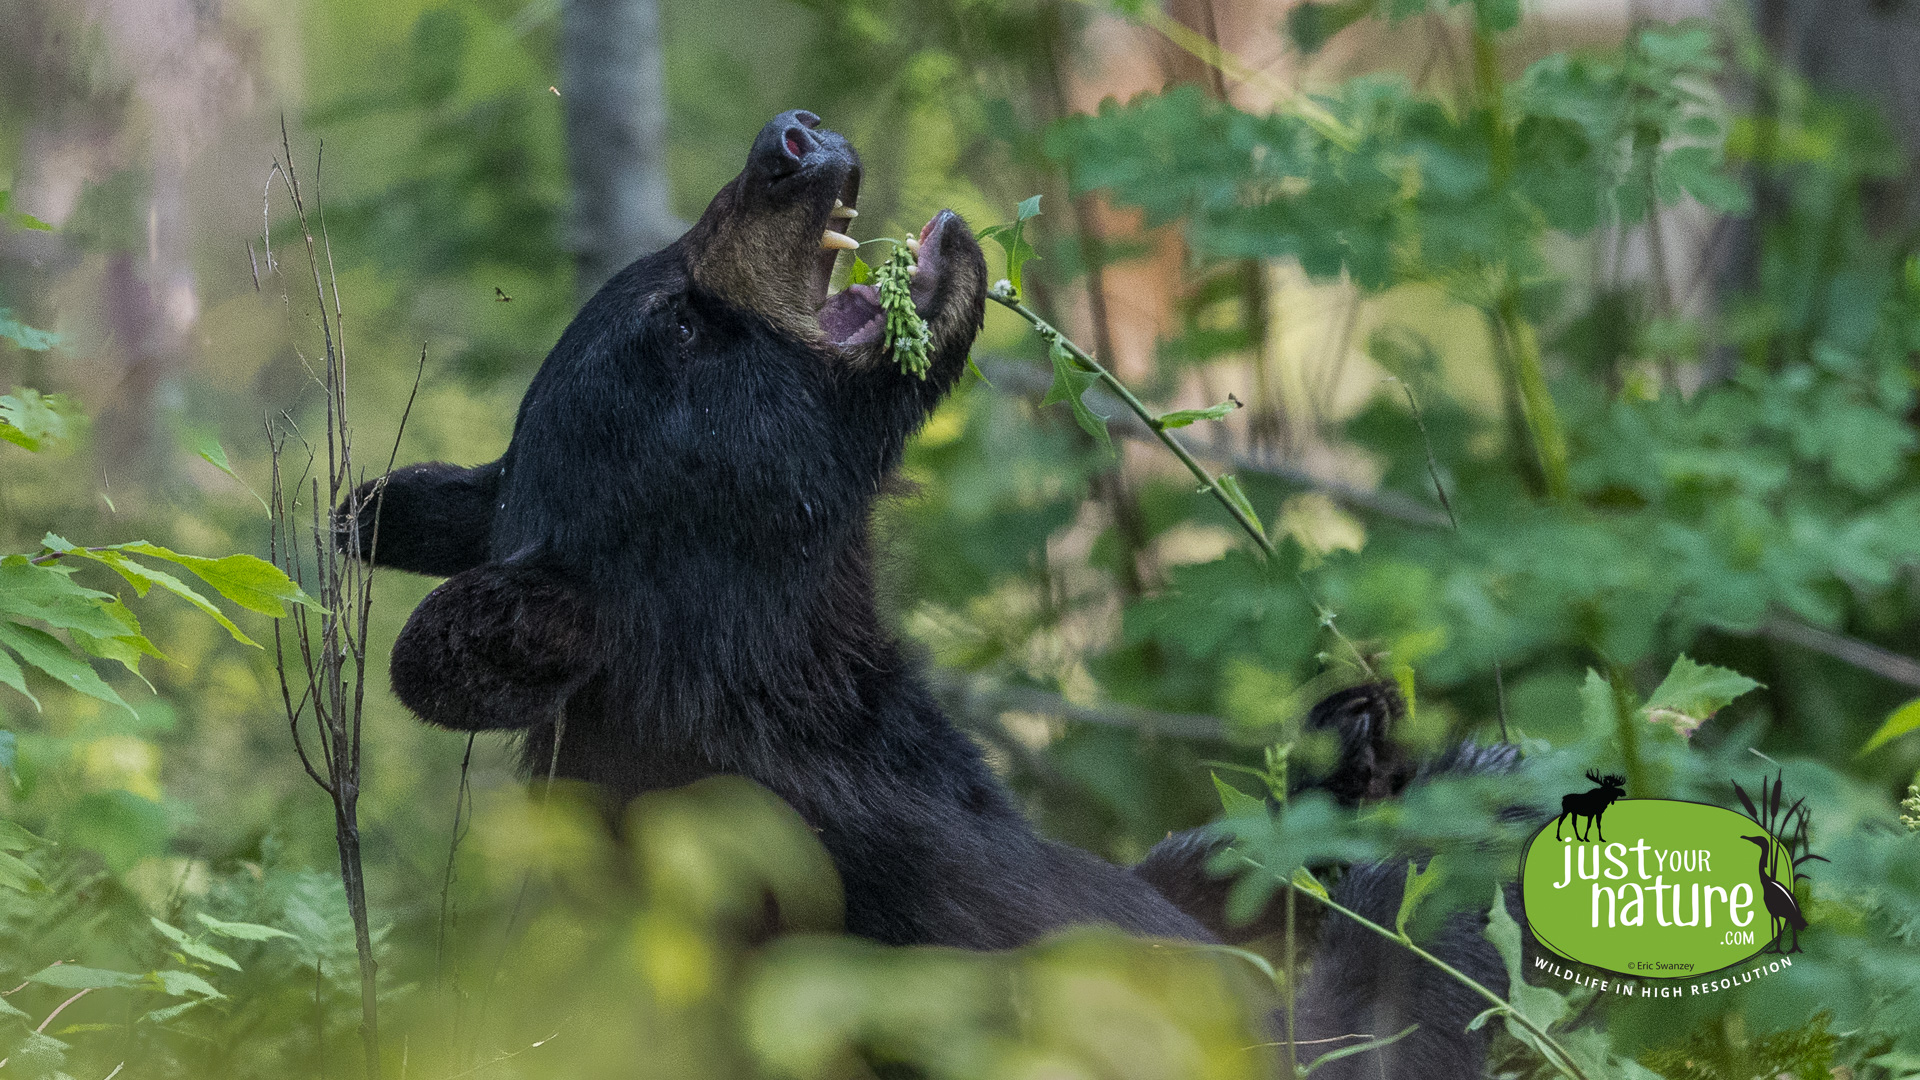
(683, 326)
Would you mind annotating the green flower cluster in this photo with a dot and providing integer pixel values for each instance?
(907, 333)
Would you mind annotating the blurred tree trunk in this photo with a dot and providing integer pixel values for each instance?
(1868, 49)
(616, 109)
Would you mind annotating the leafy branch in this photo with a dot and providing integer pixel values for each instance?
(1076, 370)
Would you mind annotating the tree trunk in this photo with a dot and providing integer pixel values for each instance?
(616, 109)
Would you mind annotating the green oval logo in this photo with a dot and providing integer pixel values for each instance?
(1675, 889)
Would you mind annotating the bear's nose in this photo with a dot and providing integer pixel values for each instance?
(786, 141)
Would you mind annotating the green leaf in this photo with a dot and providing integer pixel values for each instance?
(75, 977)
(161, 1016)
(1235, 802)
(1312, 25)
(196, 949)
(143, 578)
(33, 420)
(1232, 490)
(1905, 719)
(182, 983)
(1012, 239)
(859, 273)
(1697, 170)
(1596, 703)
(211, 452)
(18, 876)
(1691, 693)
(247, 580)
(243, 931)
(1180, 419)
(25, 221)
(127, 649)
(11, 675)
(49, 593)
(1304, 878)
(1419, 884)
(44, 651)
(1069, 382)
(15, 838)
(8, 1012)
(1537, 1003)
(7, 743)
(25, 336)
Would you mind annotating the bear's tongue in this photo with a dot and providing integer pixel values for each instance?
(853, 316)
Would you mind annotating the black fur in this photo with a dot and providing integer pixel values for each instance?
(670, 569)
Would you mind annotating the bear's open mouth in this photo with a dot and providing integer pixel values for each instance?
(852, 316)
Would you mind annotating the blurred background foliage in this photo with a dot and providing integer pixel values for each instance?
(1654, 286)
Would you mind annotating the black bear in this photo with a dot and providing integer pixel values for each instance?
(668, 575)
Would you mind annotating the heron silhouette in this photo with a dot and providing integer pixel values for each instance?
(1779, 899)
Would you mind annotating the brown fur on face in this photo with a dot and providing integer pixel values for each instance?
(758, 244)
(758, 247)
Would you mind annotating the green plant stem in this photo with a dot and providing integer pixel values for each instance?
(1559, 1058)
(1208, 481)
(1515, 338)
(1080, 356)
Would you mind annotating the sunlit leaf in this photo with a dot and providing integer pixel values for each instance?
(1905, 719)
(199, 950)
(182, 983)
(243, 931)
(143, 578)
(1419, 884)
(1234, 801)
(247, 580)
(1691, 693)
(75, 977)
(1183, 417)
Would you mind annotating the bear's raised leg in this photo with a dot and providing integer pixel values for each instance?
(432, 518)
(492, 648)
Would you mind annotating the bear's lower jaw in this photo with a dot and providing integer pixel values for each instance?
(852, 317)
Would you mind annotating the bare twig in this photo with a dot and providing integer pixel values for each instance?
(329, 647)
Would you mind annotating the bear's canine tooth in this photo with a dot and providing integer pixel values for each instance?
(835, 241)
(913, 245)
(842, 210)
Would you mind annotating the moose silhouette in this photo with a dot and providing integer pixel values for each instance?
(1591, 805)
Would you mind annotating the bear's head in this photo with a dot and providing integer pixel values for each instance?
(769, 241)
(712, 403)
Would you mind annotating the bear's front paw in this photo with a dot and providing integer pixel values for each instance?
(492, 648)
(354, 519)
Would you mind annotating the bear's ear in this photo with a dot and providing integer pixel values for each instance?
(494, 647)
